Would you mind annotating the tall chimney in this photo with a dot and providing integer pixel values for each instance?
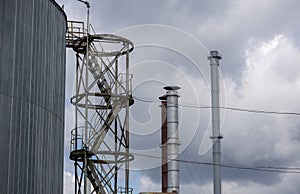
(172, 138)
(216, 136)
(164, 159)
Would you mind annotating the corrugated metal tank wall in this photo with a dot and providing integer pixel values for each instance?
(32, 91)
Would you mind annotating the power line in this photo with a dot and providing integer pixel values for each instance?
(151, 100)
(199, 177)
(271, 169)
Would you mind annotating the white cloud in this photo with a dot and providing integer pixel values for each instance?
(288, 185)
(69, 183)
(270, 82)
(147, 185)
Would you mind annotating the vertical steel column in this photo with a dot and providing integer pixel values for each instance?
(76, 122)
(86, 188)
(172, 138)
(116, 134)
(164, 159)
(127, 125)
(216, 136)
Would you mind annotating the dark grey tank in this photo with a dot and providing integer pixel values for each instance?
(32, 91)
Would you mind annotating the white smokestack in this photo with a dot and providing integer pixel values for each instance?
(216, 136)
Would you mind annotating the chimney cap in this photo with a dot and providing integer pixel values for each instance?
(172, 88)
(214, 54)
(162, 98)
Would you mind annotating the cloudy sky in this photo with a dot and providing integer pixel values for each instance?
(259, 69)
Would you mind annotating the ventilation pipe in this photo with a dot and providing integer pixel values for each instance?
(216, 136)
(164, 159)
(172, 138)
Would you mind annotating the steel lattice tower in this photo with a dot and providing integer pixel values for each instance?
(100, 139)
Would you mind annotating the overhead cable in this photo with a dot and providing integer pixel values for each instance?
(150, 100)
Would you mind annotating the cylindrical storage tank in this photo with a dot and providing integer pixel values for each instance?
(32, 91)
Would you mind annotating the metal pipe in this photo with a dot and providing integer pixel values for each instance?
(86, 187)
(216, 136)
(76, 120)
(164, 160)
(116, 133)
(127, 124)
(172, 138)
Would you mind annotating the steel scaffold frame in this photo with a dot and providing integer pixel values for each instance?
(100, 139)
